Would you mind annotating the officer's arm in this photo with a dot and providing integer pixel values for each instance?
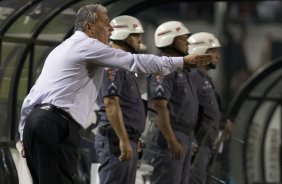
(163, 120)
(163, 123)
(115, 117)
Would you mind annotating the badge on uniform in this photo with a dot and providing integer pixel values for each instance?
(180, 74)
(207, 85)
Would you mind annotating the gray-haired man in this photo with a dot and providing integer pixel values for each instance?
(63, 96)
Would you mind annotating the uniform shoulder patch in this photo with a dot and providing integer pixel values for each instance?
(159, 90)
(111, 73)
(159, 78)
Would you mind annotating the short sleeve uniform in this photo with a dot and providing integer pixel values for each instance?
(209, 113)
(181, 94)
(122, 84)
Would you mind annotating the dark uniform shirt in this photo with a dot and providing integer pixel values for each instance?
(123, 84)
(209, 113)
(181, 94)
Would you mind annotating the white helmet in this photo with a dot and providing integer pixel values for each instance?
(199, 43)
(123, 26)
(166, 32)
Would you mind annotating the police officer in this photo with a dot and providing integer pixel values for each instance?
(121, 109)
(209, 112)
(174, 98)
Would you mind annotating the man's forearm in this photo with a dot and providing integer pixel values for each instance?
(163, 123)
(163, 120)
(115, 117)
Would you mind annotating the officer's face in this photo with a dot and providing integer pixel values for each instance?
(101, 29)
(215, 54)
(181, 43)
(134, 40)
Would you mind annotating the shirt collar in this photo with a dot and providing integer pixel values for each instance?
(80, 33)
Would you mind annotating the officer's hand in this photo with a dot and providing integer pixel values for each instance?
(140, 145)
(176, 149)
(125, 149)
(196, 61)
(228, 130)
(194, 148)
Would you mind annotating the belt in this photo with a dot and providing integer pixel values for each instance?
(108, 131)
(184, 129)
(57, 110)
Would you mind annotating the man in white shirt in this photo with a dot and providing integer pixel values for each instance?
(63, 95)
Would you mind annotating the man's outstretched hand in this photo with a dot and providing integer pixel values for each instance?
(197, 61)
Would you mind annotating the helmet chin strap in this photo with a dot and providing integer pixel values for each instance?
(212, 66)
(178, 51)
(131, 49)
(127, 45)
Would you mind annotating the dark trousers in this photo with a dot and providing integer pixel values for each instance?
(199, 167)
(168, 170)
(51, 145)
(112, 170)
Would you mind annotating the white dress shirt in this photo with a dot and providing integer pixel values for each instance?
(66, 83)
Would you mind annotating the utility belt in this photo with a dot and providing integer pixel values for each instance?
(108, 131)
(184, 129)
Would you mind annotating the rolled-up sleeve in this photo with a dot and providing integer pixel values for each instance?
(106, 56)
